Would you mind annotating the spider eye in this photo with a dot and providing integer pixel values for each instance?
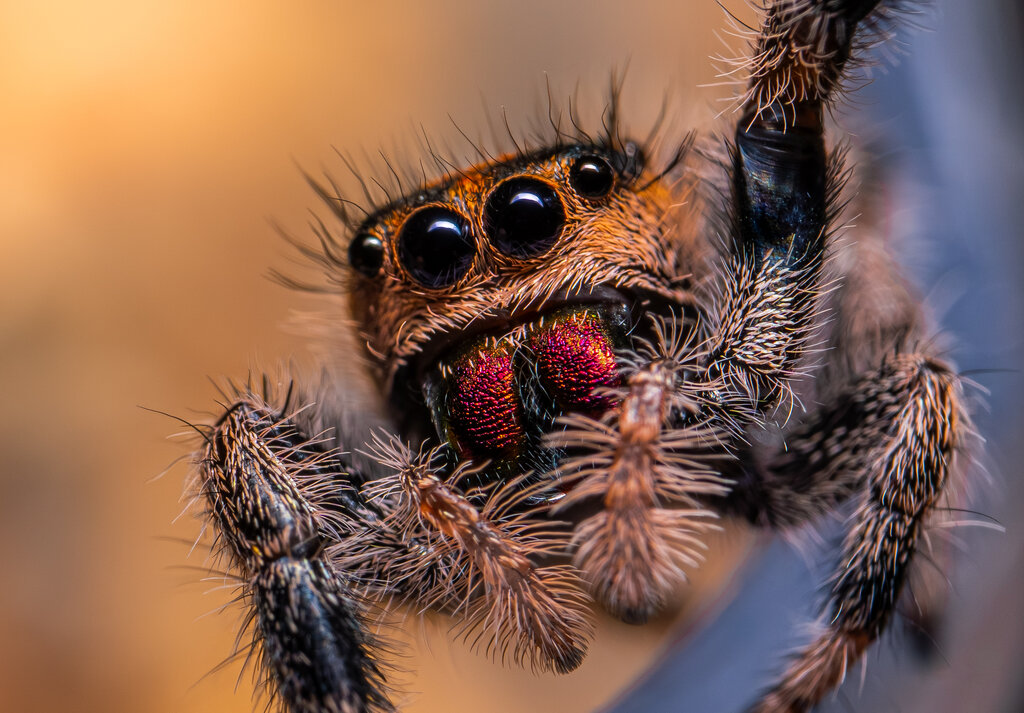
(523, 216)
(366, 254)
(591, 176)
(436, 246)
(629, 161)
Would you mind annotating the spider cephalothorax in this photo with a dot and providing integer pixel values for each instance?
(508, 238)
(582, 360)
(496, 300)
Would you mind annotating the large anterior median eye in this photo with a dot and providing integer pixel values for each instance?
(436, 246)
(523, 216)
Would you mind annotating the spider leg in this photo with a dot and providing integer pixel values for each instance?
(801, 52)
(784, 190)
(311, 536)
(891, 441)
(650, 476)
(483, 544)
(259, 477)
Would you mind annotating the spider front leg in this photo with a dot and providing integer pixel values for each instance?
(312, 537)
(784, 195)
(256, 471)
(652, 460)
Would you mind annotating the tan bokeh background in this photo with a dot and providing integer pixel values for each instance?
(144, 147)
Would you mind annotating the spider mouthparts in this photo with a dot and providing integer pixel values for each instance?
(494, 397)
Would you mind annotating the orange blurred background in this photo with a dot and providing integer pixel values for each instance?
(143, 148)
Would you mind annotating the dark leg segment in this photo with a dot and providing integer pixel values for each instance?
(780, 196)
(312, 638)
(784, 191)
(314, 643)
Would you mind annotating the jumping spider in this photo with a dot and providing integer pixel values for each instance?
(581, 353)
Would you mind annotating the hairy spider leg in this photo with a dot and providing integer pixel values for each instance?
(890, 442)
(315, 648)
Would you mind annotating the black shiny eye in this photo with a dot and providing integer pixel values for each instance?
(591, 176)
(523, 216)
(436, 246)
(366, 254)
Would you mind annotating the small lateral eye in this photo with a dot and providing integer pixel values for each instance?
(366, 254)
(523, 216)
(435, 246)
(591, 176)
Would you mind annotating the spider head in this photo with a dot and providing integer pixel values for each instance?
(497, 298)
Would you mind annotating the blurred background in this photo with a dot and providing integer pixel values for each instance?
(145, 147)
